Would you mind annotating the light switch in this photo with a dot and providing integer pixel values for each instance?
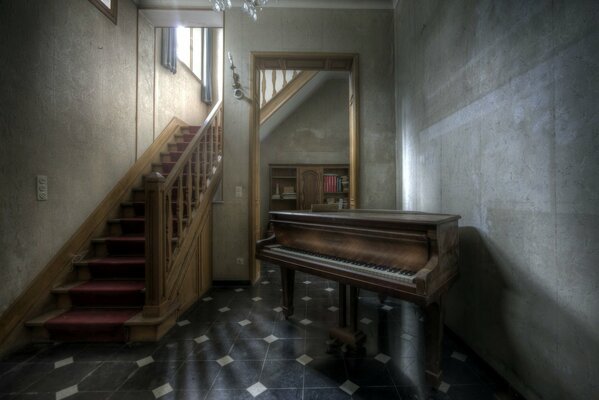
(238, 191)
(42, 187)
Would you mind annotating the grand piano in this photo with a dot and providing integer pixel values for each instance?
(407, 255)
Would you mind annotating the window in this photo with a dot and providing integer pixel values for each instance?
(189, 48)
(108, 8)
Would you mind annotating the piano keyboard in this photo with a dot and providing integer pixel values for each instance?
(389, 273)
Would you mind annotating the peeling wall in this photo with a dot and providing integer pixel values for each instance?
(367, 32)
(497, 121)
(309, 135)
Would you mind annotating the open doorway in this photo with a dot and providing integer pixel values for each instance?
(346, 64)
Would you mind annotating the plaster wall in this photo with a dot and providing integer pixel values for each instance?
(176, 94)
(309, 135)
(367, 32)
(496, 106)
(145, 84)
(67, 102)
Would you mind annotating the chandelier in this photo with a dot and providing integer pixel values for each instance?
(251, 7)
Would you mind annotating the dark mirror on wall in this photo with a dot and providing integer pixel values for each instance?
(108, 8)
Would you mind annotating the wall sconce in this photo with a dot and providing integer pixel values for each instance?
(237, 90)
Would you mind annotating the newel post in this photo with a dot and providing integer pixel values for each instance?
(155, 227)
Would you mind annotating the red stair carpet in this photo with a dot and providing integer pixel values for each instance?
(115, 292)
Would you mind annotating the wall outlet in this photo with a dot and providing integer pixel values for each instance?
(240, 260)
(238, 191)
(42, 187)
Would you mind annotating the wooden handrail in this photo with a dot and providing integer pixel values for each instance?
(171, 207)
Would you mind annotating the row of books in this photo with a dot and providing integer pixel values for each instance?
(335, 183)
(340, 201)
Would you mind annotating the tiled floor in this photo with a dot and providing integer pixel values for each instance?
(235, 344)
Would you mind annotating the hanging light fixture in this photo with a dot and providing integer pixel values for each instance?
(250, 7)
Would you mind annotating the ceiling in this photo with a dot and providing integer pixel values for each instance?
(205, 4)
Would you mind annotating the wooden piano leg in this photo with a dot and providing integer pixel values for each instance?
(348, 335)
(434, 335)
(287, 283)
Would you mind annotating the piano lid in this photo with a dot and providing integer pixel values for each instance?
(367, 216)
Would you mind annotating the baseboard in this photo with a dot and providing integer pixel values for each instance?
(228, 283)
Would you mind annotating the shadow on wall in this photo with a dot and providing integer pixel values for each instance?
(492, 288)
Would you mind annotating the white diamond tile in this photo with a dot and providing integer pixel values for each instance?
(67, 392)
(201, 339)
(145, 361)
(330, 289)
(224, 309)
(366, 321)
(459, 356)
(224, 361)
(184, 322)
(256, 389)
(349, 387)
(387, 308)
(239, 290)
(277, 309)
(162, 390)
(271, 338)
(382, 358)
(265, 282)
(207, 299)
(405, 336)
(307, 282)
(333, 308)
(444, 387)
(64, 362)
(270, 271)
(306, 298)
(245, 322)
(256, 298)
(304, 359)
(305, 321)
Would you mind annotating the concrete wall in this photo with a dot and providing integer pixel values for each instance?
(176, 94)
(67, 110)
(316, 133)
(497, 121)
(368, 33)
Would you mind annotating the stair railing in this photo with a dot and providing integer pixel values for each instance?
(171, 205)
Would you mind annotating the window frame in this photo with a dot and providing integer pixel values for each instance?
(110, 12)
(193, 47)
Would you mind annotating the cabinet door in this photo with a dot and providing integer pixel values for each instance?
(310, 189)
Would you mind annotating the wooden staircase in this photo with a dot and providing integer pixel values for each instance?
(147, 243)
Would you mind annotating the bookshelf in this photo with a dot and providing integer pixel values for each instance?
(298, 186)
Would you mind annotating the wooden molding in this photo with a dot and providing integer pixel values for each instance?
(36, 297)
(286, 93)
(301, 61)
(110, 12)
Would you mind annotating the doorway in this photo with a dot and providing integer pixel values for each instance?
(306, 62)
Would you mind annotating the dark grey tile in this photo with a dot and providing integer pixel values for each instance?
(228, 394)
(108, 377)
(322, 373)
(22, 376)
(99, 352)
(195, 375)
(26, 352)
(151, 376)
(282, 394)
(59, 352)
(224, 330)
(289, 329)
(288, 349)
(406, 372)
(282, 374)
(325, 394)
(135, 351)
(193, 330)
(318, 348)
(90, 396)
(378, 393)
(249, 349)
(173, 350)
(257, 329)
(63, 377)
(212, 349)
(367, 372)
(133, 395)
(6, 366)
(29, 396)
(238, 375)
(458, 372)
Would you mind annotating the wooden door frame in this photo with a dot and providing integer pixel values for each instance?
(298, 61)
